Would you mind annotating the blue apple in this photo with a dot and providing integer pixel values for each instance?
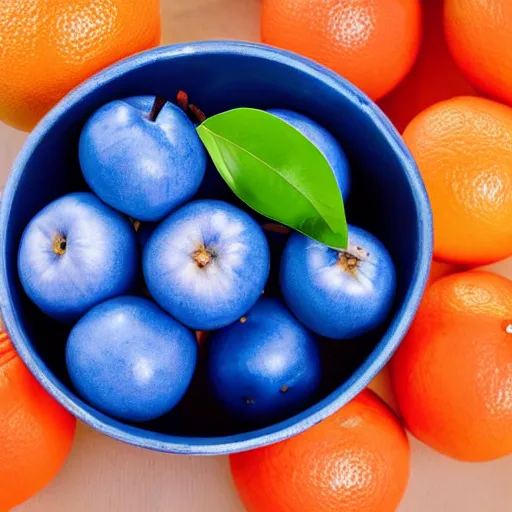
(129, 359)
(338, 294)
(141, 166)
(324, 141)
(75, 253)
(206, 264)
(265, 366)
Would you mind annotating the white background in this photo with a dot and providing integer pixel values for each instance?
(103, 475)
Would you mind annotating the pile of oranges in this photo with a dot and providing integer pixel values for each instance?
(452, 375)
(442, 71)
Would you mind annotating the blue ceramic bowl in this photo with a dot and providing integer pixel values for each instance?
(388, 198)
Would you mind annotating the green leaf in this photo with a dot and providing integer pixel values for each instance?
(278, 172)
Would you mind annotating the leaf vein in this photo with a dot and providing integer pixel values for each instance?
(301, 192)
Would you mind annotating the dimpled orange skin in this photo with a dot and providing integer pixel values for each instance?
(452, 375)
(463, 148)
(36, 433)
(50, 46)
(357, 460)
(479, 35)
(372, 43)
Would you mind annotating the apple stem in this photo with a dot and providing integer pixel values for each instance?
(183, 103)
(60, 245)
(198, 113)
(158, 105)
(182, 100)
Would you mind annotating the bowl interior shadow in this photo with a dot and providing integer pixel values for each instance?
(382, 199)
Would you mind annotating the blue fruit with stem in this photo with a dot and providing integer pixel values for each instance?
(206, 264)
(75, 253)
(142, 156)
(338, 294)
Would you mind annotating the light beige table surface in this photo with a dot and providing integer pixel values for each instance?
(103, 475)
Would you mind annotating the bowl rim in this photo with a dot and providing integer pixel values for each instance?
(313, 414)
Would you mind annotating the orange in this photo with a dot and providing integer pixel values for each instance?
(372, 43)
(36, 433)
(452, 375)
(50, 46)
(463, 148)
(434, 77)
(479, 35)
(357, 460)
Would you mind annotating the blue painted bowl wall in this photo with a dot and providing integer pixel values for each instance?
(387, 199)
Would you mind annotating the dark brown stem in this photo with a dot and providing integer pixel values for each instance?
(274, 227)
(198, 113)
(182, 101)
(158, 105)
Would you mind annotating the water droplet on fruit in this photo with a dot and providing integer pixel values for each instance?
(243, 319)
(284, 389)
(508, 329)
